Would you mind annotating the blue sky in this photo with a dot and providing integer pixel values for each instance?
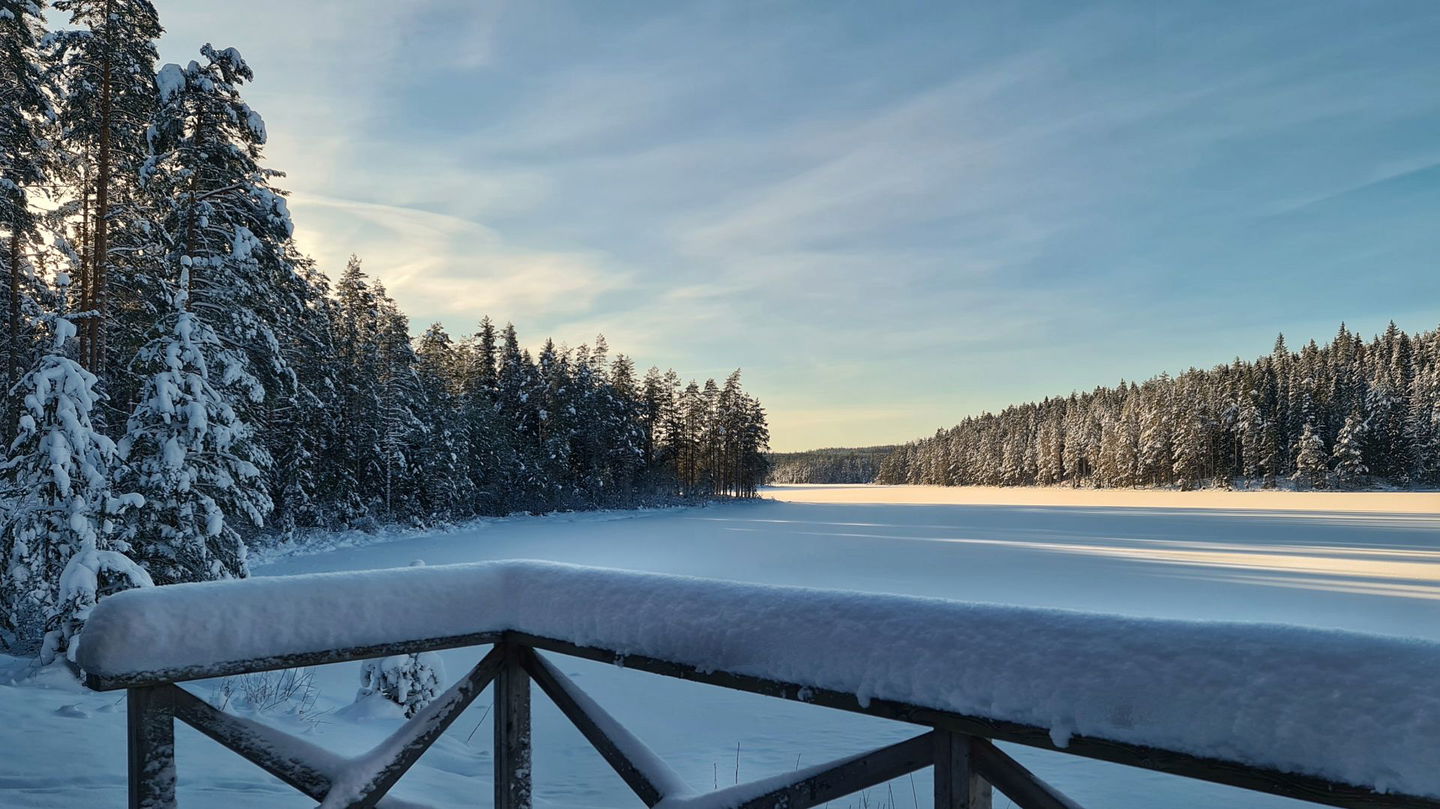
(890, 214)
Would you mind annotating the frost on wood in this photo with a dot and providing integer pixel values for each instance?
(1353, 708)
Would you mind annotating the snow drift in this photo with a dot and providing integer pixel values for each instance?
(1344, 706)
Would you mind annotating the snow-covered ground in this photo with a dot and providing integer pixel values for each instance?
(1389, 502)
(1361, 562)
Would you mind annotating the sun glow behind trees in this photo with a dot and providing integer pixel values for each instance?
(201, 387)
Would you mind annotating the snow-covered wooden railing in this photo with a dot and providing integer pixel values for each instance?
(1328, 717)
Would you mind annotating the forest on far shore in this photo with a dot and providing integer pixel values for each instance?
(1350, 414)
(833, 465)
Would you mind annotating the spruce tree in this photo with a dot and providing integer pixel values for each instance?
(1310, 460)
(59, 556)
(1348, 457)
(24, 153)
(103, 67)
(197, 463)
(411, 681)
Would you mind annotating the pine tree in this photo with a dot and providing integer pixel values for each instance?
(1310, 459)
(354, 463)
(188, 452)
(411, 681)
(299, 430)
(104, 69)
(446, 489)
(1348, 457)
(226, 216)
(58, 555)
(402, 431)
(24, 152)
(1156, 462)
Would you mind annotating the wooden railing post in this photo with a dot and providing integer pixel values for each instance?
(957, 786)
(151, 741)
(512, 732)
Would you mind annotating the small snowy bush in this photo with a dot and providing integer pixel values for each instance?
(410, 681)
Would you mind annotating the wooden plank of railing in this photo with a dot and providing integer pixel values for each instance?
(958, 784)
(1012, 778)
(512, 730)
(274, 751)
(422, 729)
(153, 705)
(151, 747)
(649, 786)
(850, 775)
(1257, 779)
(104, 682)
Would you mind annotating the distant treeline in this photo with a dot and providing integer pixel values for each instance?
(839, 465)
(1350, 414)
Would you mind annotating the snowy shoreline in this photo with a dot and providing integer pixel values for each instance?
(267, 551)
(1389, 502)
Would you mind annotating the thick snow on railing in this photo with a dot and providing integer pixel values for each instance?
(1343, 706)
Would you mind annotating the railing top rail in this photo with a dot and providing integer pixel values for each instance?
(1236, 703)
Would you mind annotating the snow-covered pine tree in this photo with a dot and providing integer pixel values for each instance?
(197, 463)
(489, 454)
(190, 439)
(300, 428)
(1387, 452)
(446, 489)
(1310, 460)
(59, 558)
(353, 463)
(1190, 437)
(517, 405)
(410, 680)
(1423, 422)
(1128, 429)
(226, 216)
(1257, 455)
(1348, 456)
(248, 281)
(24, 152)
(1154, 458)
(103, 69)
(656, 401)
(556, 428)
(403, 431)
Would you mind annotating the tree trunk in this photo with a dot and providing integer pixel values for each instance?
(100, 254)
(12, 370)
(82, 281)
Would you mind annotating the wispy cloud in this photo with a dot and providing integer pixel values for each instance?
(953, 206)
(451, 268)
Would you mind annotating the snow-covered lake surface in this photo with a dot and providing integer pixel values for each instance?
(1362, 562)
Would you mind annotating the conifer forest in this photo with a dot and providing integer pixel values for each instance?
(838, 465)
(1347, 415)
(183, 383)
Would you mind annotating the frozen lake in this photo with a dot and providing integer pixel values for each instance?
(1362, 562)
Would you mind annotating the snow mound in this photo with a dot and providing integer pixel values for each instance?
(1348, 707)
